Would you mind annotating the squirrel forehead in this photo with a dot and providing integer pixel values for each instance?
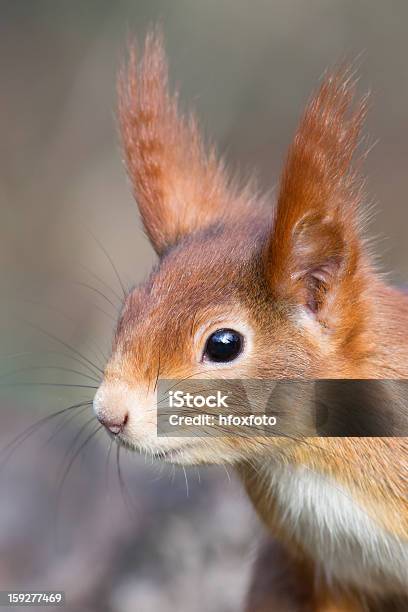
(195, 282)
(199, 273)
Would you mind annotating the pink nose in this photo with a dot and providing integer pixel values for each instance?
(115, 427)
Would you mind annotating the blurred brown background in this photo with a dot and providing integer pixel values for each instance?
(248, 69)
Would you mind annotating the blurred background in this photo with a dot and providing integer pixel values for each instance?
(144, 537)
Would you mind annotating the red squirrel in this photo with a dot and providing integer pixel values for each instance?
(292, 292)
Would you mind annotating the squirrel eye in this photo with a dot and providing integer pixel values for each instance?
(223, 345)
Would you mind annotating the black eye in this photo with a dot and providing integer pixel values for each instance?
(223, 345)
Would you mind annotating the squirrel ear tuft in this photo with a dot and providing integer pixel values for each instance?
(315, 248)
(179, 187)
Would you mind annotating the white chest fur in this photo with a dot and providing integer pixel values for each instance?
(349, 547)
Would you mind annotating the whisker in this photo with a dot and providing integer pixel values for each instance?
(109, 258)
(108, 492)
(198, 474)
(47, 384)
(69, 466)
(98, 291)
(9, 449)
(108, 455)
(126, 496)
(107, 314)
(103, 282)
(59, 368)
(158, 374)
(75, 439)
(186, 479)
(227, 472)
(14, 355)
(65, 316)
(67, 421)
(58, 354)
(66, 345)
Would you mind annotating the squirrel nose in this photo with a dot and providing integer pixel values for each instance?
(115, 427)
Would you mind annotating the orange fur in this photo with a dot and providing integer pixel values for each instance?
(170, 172)
(316, 221)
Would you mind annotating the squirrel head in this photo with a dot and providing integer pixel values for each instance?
(243, 288)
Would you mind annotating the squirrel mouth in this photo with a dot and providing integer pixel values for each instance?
(168, 454)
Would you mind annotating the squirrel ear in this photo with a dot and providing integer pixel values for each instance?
(314, 248)
(179, 187)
